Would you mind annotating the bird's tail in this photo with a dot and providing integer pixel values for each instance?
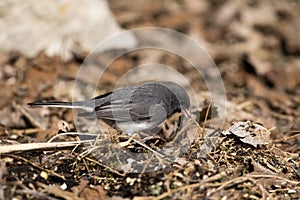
(79, 105)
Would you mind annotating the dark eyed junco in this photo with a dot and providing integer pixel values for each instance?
(132, 109)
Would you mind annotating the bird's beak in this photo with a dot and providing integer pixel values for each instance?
(187, 113)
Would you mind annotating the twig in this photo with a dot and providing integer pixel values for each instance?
(237, 181)
(206, 116)
(107, 167)
(200, 184)
(40, 168)
(25, 131)
(288, 137)
(147, 164)
(69, 133)
(149, 148)
(272, 176)
(87, 152)
(38, 146)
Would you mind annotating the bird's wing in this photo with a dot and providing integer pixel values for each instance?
(129, 104)
(132, 109)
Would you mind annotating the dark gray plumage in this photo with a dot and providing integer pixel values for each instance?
(132, 109)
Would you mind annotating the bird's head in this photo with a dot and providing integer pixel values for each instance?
(180, 100)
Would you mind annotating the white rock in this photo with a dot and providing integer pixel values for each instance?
(59, 27)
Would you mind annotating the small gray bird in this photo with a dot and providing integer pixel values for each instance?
(132, 109)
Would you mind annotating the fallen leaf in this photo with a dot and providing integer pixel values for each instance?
(249, 133)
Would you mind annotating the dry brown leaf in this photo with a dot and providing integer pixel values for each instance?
(58, 192)
(87, 192)
(249, 133)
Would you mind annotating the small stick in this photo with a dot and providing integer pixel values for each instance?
(39, 167)
(38, 146)
(69, 133)
(105, 166)
(25, 131)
